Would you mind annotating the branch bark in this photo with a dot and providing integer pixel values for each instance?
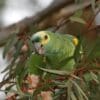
(44, 19)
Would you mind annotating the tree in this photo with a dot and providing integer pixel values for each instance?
(63, 16)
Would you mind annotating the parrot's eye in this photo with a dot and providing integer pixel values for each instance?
(41, 45)
(45, 37)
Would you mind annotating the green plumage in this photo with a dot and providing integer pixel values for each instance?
(59, 50)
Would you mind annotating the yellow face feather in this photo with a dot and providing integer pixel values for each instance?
(44, 37)
(75, 41)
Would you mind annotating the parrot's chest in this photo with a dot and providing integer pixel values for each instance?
(56, 53)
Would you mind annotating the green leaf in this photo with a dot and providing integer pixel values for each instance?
(18, 48)
(9, 44)
(69, 89)
(93, 4)
(87, 77)
(94, 76)
(73, 97)
(80, 90)
(33, 62)
(78, 13)
(77, 19)
(18, 87)
(20, 71)
(55, 71)
(59, 72)
(30, 45)
(11, 66)
(93, 51)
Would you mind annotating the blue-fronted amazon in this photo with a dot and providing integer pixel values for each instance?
(58, 49)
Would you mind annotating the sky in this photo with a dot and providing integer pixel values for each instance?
(15, 11)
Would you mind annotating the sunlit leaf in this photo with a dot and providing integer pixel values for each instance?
(73, 97)
(69, 90)
(77, 19)
(94, 76)
(58, 72)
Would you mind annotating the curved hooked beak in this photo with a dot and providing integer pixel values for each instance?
(39, 48)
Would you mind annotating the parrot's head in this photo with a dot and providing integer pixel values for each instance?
(40, 39)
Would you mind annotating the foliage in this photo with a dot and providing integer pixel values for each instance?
(83, 83)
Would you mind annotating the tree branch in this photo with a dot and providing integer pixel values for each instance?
(44, 19)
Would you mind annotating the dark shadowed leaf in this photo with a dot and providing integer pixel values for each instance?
(9, 44)
(93, 4)
(18, 48)
(31, 47)
(94, 49)
(33, 62)
(20, 71)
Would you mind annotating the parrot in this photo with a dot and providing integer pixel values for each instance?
(58, 49)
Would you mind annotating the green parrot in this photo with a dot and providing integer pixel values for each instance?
(58, 49)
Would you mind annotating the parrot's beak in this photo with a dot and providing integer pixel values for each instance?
(36, 40)
(39, 48)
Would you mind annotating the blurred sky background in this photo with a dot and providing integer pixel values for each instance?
(15, 10)
(12, 11)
